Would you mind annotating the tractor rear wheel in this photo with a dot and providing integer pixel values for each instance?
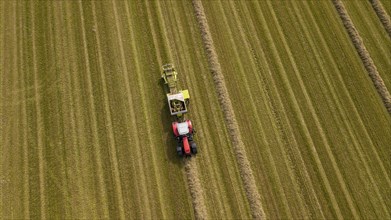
(193, 147)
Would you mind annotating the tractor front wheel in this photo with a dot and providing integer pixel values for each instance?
(179, 150)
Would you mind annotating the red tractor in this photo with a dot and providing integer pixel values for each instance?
(183, 132)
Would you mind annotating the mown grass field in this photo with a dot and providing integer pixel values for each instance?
(374, 35)
(85, 130)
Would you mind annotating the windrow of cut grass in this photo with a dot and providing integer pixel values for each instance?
(195, 189)
(373, 35)
(364, 54)
(226, 105)
(382, 14)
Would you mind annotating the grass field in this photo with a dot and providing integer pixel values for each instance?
(85, 130)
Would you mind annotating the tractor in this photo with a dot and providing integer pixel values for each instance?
(178, 101)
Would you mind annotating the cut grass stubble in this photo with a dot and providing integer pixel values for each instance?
(364, 55)
(226, 105)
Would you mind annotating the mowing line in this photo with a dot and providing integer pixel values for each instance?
(257, 118)
(195, 188)
(58, 111)
(69, 121)
(10, 180)
(292, 152)
(271, 107)
(334, 96)
(145, 112)
(300, 114)
(70, 68)
(129, 100)
(346, 93)
(26, 187)
(364, 55)
(315, 117)
(95, 138)
(339, 104)
(109, 128)
(39, 120)
(226, 105)
(70, 133)
(382, 14)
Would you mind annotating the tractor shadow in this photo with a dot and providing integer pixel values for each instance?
(167, 136)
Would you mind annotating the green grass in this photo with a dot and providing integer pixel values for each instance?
(86, 133)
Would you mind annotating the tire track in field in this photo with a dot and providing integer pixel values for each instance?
(282, 122)
(95, 135)
(135, 51)
(289, 156)
(110, 129)
(39, 120)
(73, 80)
(364, 54)
(346, 92)
(141, 166)
(226, 105)
(196, 191)
(8, 180)
(341, 123)
(26, 176)
(265, 143)
(315, 116)
(296, 107)
(382, 14)
(141, 201)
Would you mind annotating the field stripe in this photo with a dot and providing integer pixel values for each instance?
(339, 105)
(346, 93)
(146, 121)
(382, 14)
(113, 154)
(26, 187)
(90, 203)
(296, 107)
(141, 166)
(238, 145)
(95, 139)
(39, 121)
(364, 55)
(265, 143)
(317, 122)
(63, 203)
(282, 123)
(128, 93)
(290, 157)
